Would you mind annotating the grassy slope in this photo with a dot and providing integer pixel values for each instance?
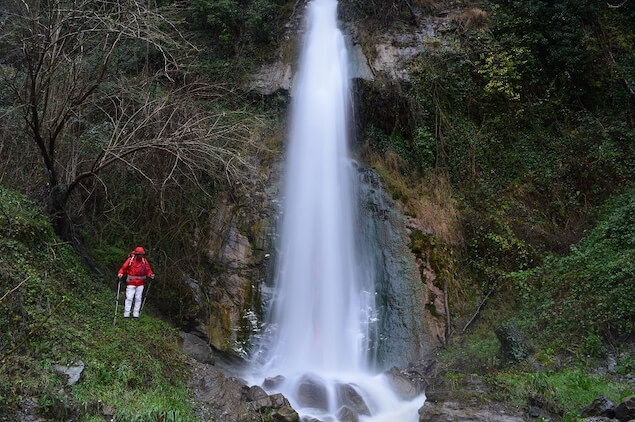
(567, 307)
(134, 368)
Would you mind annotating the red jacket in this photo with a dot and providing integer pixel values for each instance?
(137, 269)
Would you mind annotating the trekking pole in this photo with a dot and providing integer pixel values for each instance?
(117, 302)
(145, 297)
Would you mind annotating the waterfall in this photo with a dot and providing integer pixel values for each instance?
(319, 330)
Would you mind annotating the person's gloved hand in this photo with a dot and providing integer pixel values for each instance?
(152, 277)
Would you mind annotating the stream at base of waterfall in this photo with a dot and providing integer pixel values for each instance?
(321, 325)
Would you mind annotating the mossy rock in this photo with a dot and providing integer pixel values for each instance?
(514, 348)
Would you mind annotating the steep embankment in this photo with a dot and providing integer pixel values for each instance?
(54, 312)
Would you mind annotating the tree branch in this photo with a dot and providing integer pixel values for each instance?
(14, 289)
(478, 309)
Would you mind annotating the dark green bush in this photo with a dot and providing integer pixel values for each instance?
(233, 21)
(588, 296)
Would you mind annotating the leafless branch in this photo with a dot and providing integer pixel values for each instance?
(616, 6)
(478, 309)
(14, 289)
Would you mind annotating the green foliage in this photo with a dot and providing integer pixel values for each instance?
(475, 353)
(230, 20)
(423, 144)
(495, 249)
(589, 293)
(500, 70)
(566, 391)
(134, 368)
(21, 219)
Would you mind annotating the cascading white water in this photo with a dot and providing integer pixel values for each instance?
(322, 305)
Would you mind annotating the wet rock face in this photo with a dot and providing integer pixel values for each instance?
(407, 384)
(311, 392)
(403, 334)
(237, 245)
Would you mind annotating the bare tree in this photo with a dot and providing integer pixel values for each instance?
(56, 59)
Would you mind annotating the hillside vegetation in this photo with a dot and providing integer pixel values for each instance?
(512, 143)
(54, 312)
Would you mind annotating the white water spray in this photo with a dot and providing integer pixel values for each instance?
(324, 302)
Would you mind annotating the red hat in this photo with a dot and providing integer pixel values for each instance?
(139, 251)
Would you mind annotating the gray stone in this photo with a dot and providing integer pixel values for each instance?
(625, 411)
(459, 412)
(271, 383)
(255, 393)
(197, 348)
(598, 419)
(359, 65)
(285, 414)
(272, 77)
(274, 401)
(72, 372)
(406, 385)
(400, 293)
(602, 406)
(348, 396)
(311, 392)
(278, 400)
(261, 403)
(219, 392)
(346, 414)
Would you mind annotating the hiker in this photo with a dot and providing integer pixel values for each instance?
(136, 269)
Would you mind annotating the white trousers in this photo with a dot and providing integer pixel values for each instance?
(133, 292)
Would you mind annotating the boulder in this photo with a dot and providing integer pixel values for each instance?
(285, 414)
(278, 400)
(72, 372)
(197, 348)
(218, 392)
(625, 411)
(346, 414)
(271, 383)
(348, 396)
(514, 347)
(407, 384)
(274, 401)
(602, 406)
(255, 393)
(311, 392)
